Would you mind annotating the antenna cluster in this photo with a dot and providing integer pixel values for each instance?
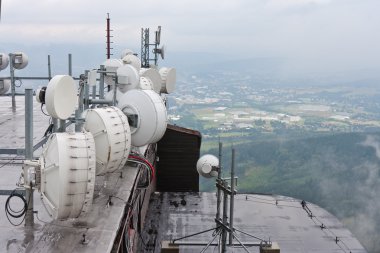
(108, 127)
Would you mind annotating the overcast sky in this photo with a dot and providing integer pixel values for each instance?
(338, 32)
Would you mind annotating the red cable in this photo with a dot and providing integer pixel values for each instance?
(139, 158)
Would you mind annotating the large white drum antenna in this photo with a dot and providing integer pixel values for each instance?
(147, 107)
(168, 76)
(112, 136)
(68, 174)
(154, 76)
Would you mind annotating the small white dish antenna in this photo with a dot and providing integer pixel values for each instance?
(169, 77)
(68, 174)
(4, 61)
(126, 52)
(132, 60)
(20, 60)
(128, 78)
(151, 114)
(112, 136)
(5, 84)
(111, 65)
(61, 96)
(207, 166)
(145, 83)
(154, 76)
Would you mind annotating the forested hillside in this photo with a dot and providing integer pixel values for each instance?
(340, 172)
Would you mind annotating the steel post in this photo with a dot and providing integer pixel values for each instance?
(49, 68)
(101, 82)
(29, 218)
(218, 191)
(70, 65)
(13, 85)
(231, 235)
(225, 217)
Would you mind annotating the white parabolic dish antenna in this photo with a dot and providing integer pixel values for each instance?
(128, 78)
(61, 96)
(132, 60)
(20, 60)
(126, 52)
(112, 136)
(151, 113)
(5, 84)
(68, 174)
(154, 76)
(169, 76)
(205, 165)
(4, 61)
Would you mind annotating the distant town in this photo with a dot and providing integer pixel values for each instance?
(228, 104)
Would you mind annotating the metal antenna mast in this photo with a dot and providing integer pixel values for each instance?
(224, 226)
(146, 45)
(109, 36)
(0, 10)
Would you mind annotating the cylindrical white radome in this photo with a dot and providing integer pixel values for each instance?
(168, 76)
(68, 174)
(112, 136)
(206, 164)
(20, 60)
(154, 76)
(151, 114)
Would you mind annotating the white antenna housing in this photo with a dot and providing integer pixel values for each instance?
(5, 84)
(61, 96)
(128, 78)
(168, 76)
(151, 115)
(68, 174)
(112, 136)
(126, 52)
(145, 83)
(154, 76)
(4, 61)
(111, 65)
(20, 60)
(132, 60)
(206, 166)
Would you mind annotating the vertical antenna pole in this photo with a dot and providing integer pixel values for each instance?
(231, 235)
(49, 68)
(224, 230)
(13, 86)
(70, 65)
(101, 82)
(108, 36)
(218, 192)
(29, 218)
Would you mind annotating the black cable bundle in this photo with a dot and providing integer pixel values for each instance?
(15, 213)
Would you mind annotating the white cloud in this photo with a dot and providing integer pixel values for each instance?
(333, 31)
